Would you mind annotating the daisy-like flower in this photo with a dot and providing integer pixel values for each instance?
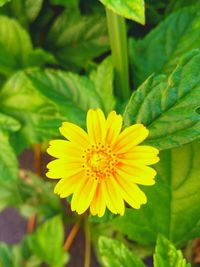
(103, 167)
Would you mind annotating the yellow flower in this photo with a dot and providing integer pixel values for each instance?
(102, 167)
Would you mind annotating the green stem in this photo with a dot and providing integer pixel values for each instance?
(118, 41)
(87, 243)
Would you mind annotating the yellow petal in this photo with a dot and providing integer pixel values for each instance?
(98, 204)
(63, 148)
(113, 127)
(141, 155)
(96, 126)
(130, 137)
(143, 180)
(74, 134)
(67, 186)
(138, 170)
(131, 192)
(115, 195)
(83, 196)
(59, 169)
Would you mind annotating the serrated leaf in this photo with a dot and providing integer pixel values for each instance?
(167, 255)
(115, 254)
(127, 8)
(47, 242)
(103, 79)
(161, 49)
(72, 93)
(15, 42)
(39, 117)
(167, 105)
(75, 39)
(173, 202)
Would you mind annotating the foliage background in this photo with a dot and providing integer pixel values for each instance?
(55, 64)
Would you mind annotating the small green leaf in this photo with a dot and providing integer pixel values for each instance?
(167, 106)
(103, 79)
(47, 242)
(167, 255)
(161, 49)
(173, 202)
(115, 254)
(127, 8)
(75, 40)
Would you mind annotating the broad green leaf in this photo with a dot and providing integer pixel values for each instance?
(127, 8)
(73, 94)
(173, 207)
(161, 49)
(103, 79)
(8, 161)
(167, 255)
(168, 105)
(115, 254)
(14, 40)
(47, 242)
(75, 40)
(3, 2)
(39, 117)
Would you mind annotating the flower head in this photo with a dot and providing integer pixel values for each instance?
(103, 167)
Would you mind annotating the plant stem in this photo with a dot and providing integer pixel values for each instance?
(118, 41)
(87, 243)
(70, 238)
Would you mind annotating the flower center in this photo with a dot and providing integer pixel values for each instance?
(100, 162)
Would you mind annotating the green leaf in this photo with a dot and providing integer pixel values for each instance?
(127, 8)
(8, 124)
(8, 161)
(37, 197)
(40, 57)
(168, 105)
(47, 242)
(17, 256)
(103, 79)
(15, 42)
(161, 49)
(115, 254)
(173, 207)
(73, 94)
(167, 255)
(39, 117)
(3, 2)
(75, 39)
(33, 8)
